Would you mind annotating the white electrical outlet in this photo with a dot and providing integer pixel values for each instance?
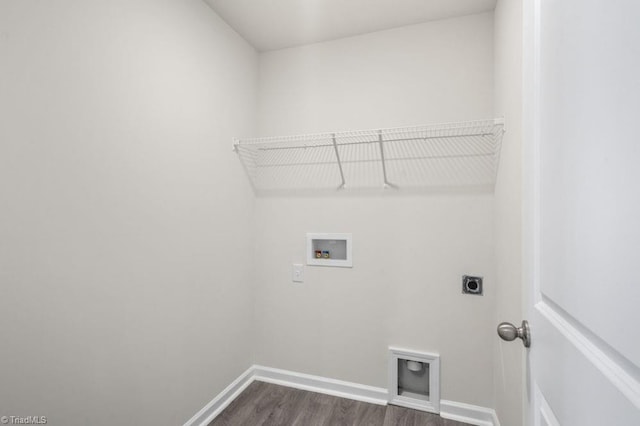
(297, 273)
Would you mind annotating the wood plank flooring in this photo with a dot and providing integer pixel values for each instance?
(270, 405)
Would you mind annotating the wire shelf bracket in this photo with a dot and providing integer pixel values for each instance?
(335, 147)
(450, 155)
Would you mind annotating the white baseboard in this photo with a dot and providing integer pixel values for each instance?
(222, 400)
(472, 414)
(319, 384)
(496, 421)
(467, 413)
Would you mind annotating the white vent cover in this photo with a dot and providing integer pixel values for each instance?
(414, 380)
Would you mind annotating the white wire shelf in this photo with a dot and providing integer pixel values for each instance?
(462, 154)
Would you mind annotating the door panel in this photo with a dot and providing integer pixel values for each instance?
(590, 154)
(577, 391)
(582, 220)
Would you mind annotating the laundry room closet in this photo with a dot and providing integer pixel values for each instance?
(188, 210)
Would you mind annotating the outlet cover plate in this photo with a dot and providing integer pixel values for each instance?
(297, 273)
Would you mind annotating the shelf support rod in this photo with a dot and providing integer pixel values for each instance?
(387, 184)
(335, 147)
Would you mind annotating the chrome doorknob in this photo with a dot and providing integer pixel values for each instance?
(509, 332)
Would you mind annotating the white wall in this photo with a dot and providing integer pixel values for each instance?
(125, 239)
(409, 251)
(508, 359)
(419, 74)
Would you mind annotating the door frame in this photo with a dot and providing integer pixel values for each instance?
(530, 183)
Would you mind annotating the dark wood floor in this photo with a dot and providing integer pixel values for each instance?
(267, 404)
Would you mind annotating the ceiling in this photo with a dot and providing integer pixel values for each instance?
(277, 24)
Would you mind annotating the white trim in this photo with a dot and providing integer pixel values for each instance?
(471, 414)
(494, 418)
(222, 400)
(467, 413)
(531, 181)
(543, 411)
(308, 382)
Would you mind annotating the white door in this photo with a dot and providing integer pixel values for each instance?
(582, 220)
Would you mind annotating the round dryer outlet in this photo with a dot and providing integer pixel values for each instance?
(472, 285)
